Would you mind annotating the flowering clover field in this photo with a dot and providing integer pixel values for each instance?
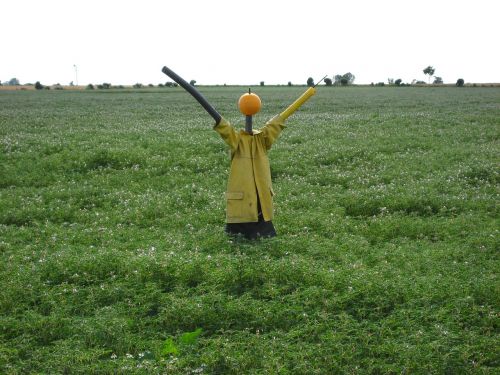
(114, 258)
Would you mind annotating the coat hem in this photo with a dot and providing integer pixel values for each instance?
(242, 221)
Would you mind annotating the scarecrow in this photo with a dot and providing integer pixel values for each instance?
(249, 194)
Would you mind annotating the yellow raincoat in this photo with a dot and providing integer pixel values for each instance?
(250, 173)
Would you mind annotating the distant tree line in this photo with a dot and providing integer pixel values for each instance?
(348, 79)
(138, 85)
(10, 82)
(336, 80)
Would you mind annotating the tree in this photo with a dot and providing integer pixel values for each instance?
(398, 82)
(328, 81)
(344, 80)
(429, 71)
(38, 85)
(390, 81)
(310, 82)
(289, 83)
(262, 83)
(192, 82)
(460, 82)
(438, 81)
(350, 78)
(13, 82)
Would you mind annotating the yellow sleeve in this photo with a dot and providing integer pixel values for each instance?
(227, 133)
(272, 130)
(296, 104)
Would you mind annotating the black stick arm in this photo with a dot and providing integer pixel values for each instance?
(195, 93)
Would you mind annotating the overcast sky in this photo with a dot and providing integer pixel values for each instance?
(245, 42)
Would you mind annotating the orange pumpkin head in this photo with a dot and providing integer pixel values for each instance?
(249, 104)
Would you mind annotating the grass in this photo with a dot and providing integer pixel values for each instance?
(112, 245)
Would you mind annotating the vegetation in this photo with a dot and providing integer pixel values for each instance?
(13, 82)
(460, 82)
(429, 71)
(171, 84)
(344, 80)
(38, 85)
(438, 81)
(310, 82)
(113, 257)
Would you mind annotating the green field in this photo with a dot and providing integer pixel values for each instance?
(112, 239)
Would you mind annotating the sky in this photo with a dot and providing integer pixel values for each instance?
(245, 42)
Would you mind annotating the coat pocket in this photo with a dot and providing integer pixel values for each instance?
(234, 203)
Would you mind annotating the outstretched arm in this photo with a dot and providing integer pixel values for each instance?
(296, 104)
(195, 93)
(227, 133)
(274, 126)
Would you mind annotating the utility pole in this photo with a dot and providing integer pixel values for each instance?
(76, 74)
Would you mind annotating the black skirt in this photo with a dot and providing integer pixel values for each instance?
(252, 231)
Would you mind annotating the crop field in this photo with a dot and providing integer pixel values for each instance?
(114, 258)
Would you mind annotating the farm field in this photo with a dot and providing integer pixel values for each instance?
(113, 249)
